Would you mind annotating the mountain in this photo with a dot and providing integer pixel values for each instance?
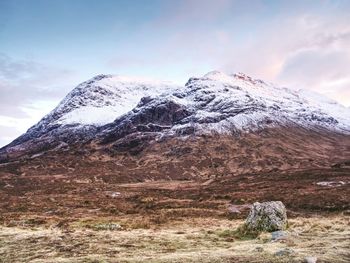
(224, 104)
(215, 124)
(90, 105)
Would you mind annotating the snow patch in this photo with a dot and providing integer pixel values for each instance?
(331, 183)
(104, 98)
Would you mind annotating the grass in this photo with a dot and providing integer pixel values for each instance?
(188, 240)
(239, 233)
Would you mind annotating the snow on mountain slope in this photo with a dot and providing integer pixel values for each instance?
(104, 98)
(217, 101)
(92, 104)
(128, 111)
(246, 103)
(223, 103)
(331, 107)
(114, 106)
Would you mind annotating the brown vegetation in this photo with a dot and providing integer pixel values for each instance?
(177, 200)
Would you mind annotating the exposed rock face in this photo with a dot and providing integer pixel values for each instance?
(268, 216)
(152, 119)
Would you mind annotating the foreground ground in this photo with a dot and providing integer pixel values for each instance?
(190, 240)
(60, 218)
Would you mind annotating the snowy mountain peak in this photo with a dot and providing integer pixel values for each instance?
(218, 76)
(233, 79)
(216, 102)
(100, 77)
(225, 102)
(244, 77)
(102, 99)
(215, 74)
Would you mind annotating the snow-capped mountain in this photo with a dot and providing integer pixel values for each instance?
(94, 103)
(104, 98)
(226, 104)
(108, 108)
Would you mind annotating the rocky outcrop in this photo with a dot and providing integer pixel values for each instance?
(268, 216)
(150, 118)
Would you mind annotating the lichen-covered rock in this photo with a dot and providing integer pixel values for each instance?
(268, 216)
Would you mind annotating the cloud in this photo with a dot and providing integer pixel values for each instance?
(24, 85)
(322, 70)
(7, 134)
(299, 44)
(24, 82)
(317, 66)
(303, 50)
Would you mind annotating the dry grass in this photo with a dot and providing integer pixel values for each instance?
(190, 240)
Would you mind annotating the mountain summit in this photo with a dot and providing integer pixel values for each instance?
(112, 115)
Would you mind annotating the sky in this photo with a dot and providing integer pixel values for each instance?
(47, 47)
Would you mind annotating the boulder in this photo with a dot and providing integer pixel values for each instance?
(268, 216)
(279, 235)
(310, 259)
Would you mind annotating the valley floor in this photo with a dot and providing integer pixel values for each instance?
(60, 218)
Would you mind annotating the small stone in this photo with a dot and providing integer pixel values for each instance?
(259, 249)
(268, 216)
(107, 226)
(310, 259)
(113, 194)
(285, 252)
(279, 235)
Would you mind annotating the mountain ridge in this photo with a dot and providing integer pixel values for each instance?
(137, 111)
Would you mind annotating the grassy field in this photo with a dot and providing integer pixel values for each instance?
(136, 239)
